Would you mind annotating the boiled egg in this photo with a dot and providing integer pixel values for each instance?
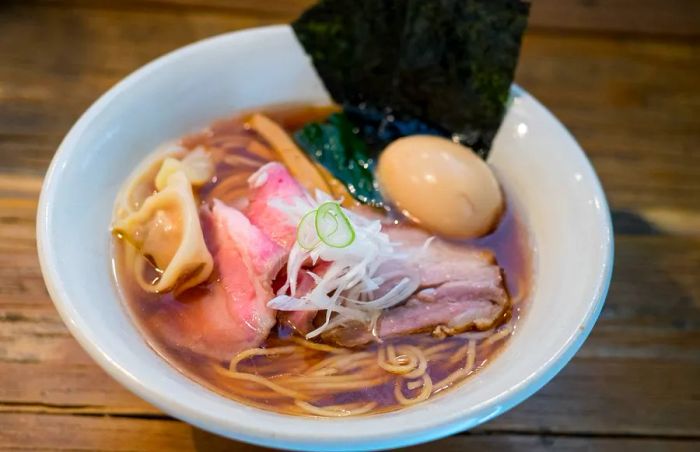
(441, 185)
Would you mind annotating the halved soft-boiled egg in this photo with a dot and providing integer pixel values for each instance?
(441, 185)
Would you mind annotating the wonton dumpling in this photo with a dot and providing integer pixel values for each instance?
(196, 164)
(139, 185)
(167, 231)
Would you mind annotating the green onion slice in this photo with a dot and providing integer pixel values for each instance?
(306, 231)
(332, 225)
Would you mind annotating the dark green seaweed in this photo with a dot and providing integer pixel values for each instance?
(401, 67)
(335, 145)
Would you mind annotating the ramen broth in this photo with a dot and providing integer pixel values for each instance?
(450, 360)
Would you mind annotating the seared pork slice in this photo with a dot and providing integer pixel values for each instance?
(231, 314)
(453, 307)
(460, 288)
(300, 321)
(273, 181)
(442, 261)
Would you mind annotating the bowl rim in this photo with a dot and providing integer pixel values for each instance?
(168, 403)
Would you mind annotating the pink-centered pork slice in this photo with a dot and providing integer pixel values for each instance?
(231, 314)
(274, 182)
(269, 185)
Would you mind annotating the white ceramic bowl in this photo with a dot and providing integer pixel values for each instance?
(534, 155)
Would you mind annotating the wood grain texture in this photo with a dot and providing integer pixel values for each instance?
(631, 104)
(641, 357)
(613, 93)
(639, 17)
(627, 89)
(17, 431)
(652, 17)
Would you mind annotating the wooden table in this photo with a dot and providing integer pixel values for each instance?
(623, 79)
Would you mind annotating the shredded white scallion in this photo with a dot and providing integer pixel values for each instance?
(345, 290)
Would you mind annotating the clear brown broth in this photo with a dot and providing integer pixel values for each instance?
(508, 242)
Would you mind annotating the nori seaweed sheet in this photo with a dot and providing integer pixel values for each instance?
(401, 67)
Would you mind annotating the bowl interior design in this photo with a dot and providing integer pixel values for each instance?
(534, 156)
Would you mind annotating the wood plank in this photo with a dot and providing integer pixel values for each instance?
(679, 18)
(83, 53)
(638, 128)
(590, 397)
(656, 17)
(612, 396)
(36, 334)
(630, 99)
(20, 277)
(48, 432)
(282, 10)
(65, 387)
(21, 283)
(641, 357)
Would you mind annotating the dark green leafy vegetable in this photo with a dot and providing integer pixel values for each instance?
(401, 67)
(335, 145)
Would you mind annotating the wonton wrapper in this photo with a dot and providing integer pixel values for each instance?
(139, 185)
(152, 175)
(166, 230)
(197, 166)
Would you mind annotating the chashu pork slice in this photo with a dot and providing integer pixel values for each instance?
(461, 288)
